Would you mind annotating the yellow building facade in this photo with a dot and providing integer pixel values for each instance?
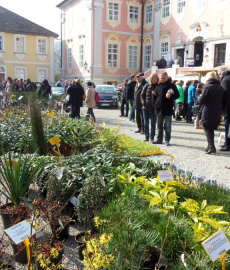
(26, 49)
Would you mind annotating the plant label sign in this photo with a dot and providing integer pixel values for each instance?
(74, 201)
(165, 175)
(19, 232)
(216, 245)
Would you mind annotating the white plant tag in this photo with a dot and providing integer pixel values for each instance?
(19, 232)
(74, 201)
(100, 178)
(20, 97)
(216, 245)
(165, 175)
(61, 224)
(59, 173)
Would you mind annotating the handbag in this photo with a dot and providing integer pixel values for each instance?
(196, 108)
(84, 96)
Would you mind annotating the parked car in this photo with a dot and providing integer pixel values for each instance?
(108, 95)
(58, 91)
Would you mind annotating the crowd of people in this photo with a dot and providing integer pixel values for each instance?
(162, 99)
(7, 87)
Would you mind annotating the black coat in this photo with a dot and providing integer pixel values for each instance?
(147, 98)
(212, 98)
(124, 92)
(45, 90)
(164, 105)
(75, 92)
(137, 94)
(197, 94)
(225, 83)
(130, 90)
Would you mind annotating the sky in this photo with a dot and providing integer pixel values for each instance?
(41, 12)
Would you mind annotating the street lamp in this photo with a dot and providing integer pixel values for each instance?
(86, 66)
(62, 22)
(185, 48)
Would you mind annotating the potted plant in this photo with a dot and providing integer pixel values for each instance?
(48, 252)
(16, 177)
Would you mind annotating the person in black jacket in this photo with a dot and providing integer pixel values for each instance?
(224, 74)
(29, 86)
(212, 99)
(75, 92)
(130, 96)
(45, 90)
(148, 100)
(141, 82)
(165, 92)
(124, 103)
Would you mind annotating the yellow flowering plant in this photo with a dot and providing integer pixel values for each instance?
(95, 256)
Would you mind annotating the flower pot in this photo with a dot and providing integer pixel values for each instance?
(7, 218)
(62, 234)
(55, 261)
(66, 150)
(9, 267)
(70, 210)
(21, 257)
(81, 244)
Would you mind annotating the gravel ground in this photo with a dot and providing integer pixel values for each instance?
(187, 146)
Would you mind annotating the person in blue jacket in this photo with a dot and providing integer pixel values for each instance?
(191, 99)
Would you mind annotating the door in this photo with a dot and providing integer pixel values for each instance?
(198, 53)
(181, 53)
(219, 57)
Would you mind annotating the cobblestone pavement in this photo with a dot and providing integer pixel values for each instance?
(187, 146)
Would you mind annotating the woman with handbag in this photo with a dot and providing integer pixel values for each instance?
(90, 100)
(199, 90)
(212, 99)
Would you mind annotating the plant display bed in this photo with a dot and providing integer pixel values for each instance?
(105, 184)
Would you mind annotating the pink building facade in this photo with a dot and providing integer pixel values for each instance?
(198, 30)
(114, 38)
(108, 40)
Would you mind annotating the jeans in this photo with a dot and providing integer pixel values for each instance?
(227, 140)
(131, 111)
(189, 112)
(167, 126)
(178, 109)
(75, 112)
(139, 119)
(209, 132)
(149, 115)
(90, 112)
(124, 105)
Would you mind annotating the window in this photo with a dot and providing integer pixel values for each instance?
(42, 74)
(149, 12)
(69, 58)
(133, 51)
(133, 14)
(180, 5)
(81, 55)
(112, 55)
(166, 8)
(147, 57)
(113, 11)
(20, 44)
(220, 52)
(20, 73)
(199, 4)
(1, 43)
(41, 45)
(164, 48)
